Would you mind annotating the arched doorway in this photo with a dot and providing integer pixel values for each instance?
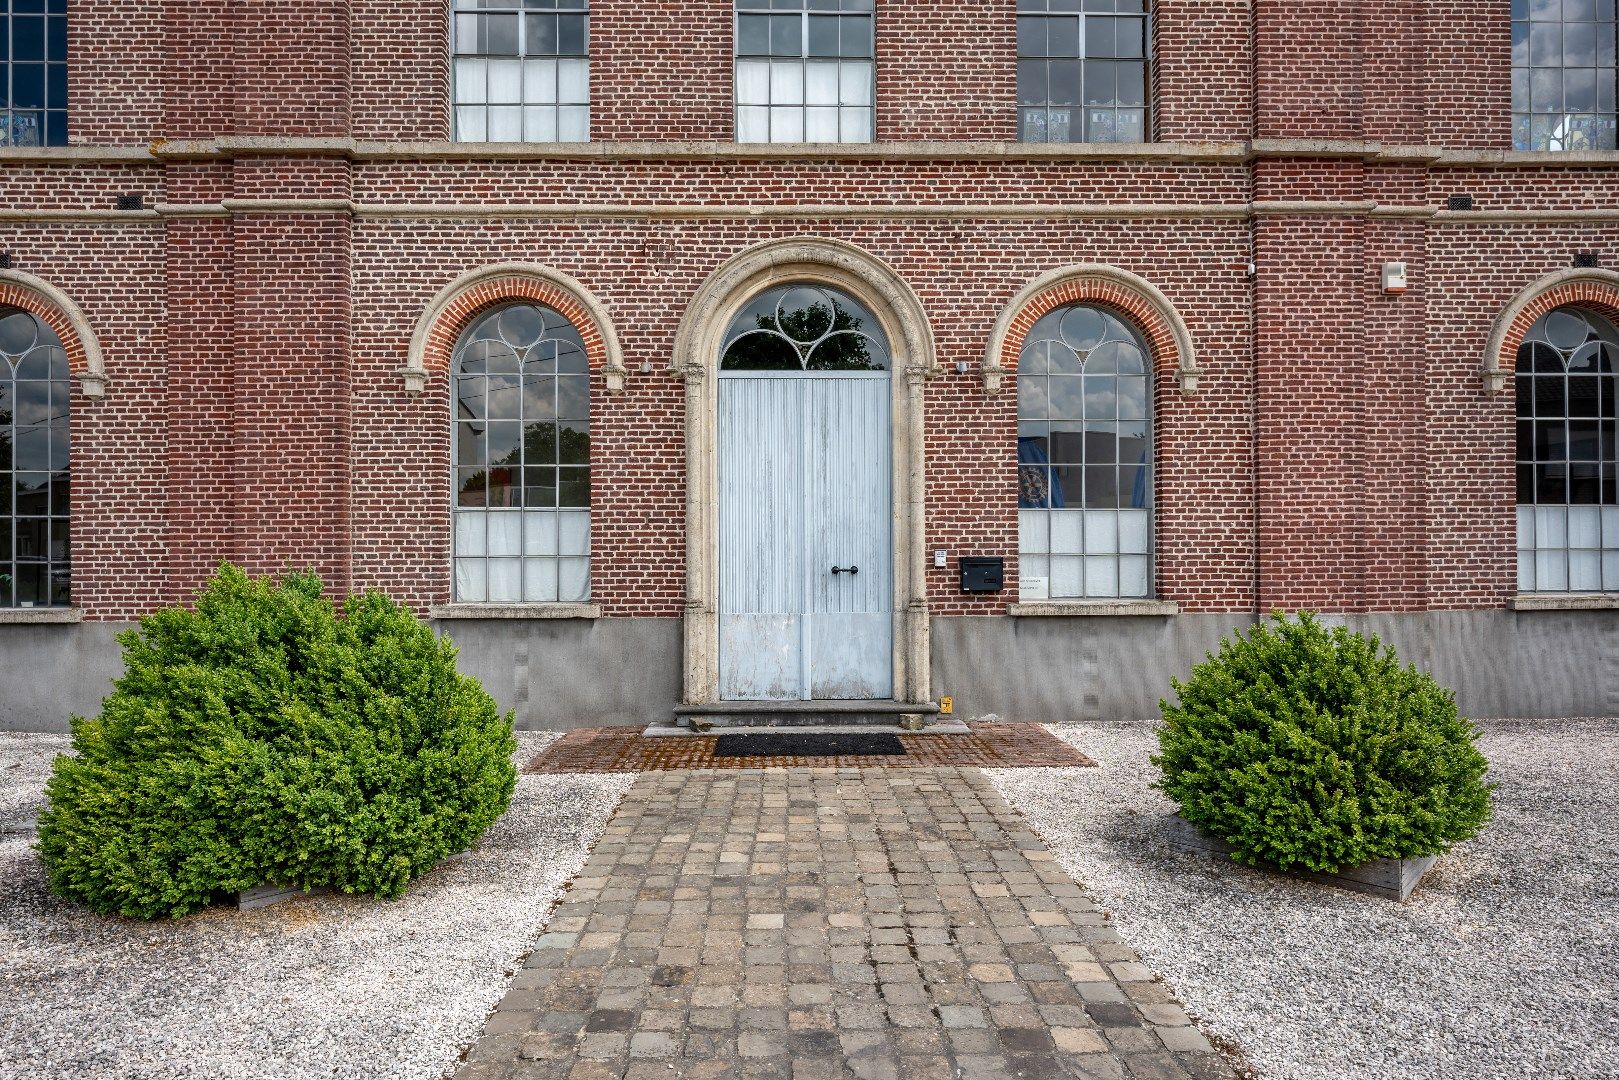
(726, 309)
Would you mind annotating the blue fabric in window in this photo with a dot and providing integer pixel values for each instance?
(1038, 486)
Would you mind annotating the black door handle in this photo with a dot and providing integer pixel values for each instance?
(846, 570)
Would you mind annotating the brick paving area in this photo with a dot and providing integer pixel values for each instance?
(818, 923)
(989, 746)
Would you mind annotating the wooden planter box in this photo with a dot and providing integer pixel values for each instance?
(1392, 879)
(269, 895)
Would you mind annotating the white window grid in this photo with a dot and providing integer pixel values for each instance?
(1085, 528)
(35, 525)
(522, 70)
(791, 85)
(522, 498)
(1568, 454)
(1565, 75)
(1084, 71)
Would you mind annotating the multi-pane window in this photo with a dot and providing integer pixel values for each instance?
(522, 459)
(804, 71)
(1084, 458)
(1563, 75)
(33, 46)
(1568, 454)
(1082, 70)
(34, 390)
(522, 70)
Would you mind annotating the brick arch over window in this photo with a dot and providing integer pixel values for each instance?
(1594, 289)
(1128, 294)
(453, 310)
(55, 309)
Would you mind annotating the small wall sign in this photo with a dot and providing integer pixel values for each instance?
(947, 706)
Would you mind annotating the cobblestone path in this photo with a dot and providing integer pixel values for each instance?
(808, 923)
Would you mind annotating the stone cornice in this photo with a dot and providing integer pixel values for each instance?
(1240, 211)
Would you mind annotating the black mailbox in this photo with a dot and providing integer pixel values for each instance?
(982, 573)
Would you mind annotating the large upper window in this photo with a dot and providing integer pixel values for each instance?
(522, 459)
(522, 70)
(804, 71)
(1082, 70)
(34, 44)
(34, 390)
(1563, 75)
(1568, 454)
(1084, 458)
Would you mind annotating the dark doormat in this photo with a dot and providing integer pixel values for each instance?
(876, 744)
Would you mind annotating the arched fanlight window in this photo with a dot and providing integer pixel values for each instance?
(521, 454)
(805, 328)
(1568, 454)
(34, 392)
(1084, 458)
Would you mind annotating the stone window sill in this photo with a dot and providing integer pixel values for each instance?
(515, 611)
(35, 616)
(1084, 608)
(1564, 602)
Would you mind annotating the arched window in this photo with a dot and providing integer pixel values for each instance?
(1568, 490)
(522, 459)
(1084, 458)
(804, 328)
(34, 390)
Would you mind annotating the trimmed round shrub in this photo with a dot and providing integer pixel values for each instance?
(264, 738)
(1308, 747)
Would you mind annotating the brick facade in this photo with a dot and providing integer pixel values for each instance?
(302, 210)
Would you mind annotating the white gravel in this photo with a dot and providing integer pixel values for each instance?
(1505, 962)
(321, 986)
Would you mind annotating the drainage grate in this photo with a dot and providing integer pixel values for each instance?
(876, 744)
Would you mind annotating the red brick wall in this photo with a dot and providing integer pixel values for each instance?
(1339, 451)
(947, 70)
(116, 81)
(1203, 71)
(1468, 85)
(1309, 69)
(661, 70)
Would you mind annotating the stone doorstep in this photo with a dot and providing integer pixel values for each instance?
(1392, 879)
(263, 896)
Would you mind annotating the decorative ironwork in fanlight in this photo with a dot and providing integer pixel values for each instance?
(805, 328)
(35, 386)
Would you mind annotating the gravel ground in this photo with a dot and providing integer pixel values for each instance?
(321, 986)
(1505, 962)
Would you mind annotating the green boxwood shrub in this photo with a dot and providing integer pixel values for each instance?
(1308, 747)
(264, 738)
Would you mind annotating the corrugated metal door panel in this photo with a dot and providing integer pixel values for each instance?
(761, 497)
(804, 475)
(850, 526)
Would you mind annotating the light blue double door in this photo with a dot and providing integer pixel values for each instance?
(806, 559)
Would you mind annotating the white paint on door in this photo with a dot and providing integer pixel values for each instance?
(805, 487)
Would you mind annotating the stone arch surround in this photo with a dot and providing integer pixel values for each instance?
(696, 359)
(454, 308)
(1129, 294)
(58, 311)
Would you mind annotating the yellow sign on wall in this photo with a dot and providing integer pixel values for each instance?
(947, 706)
